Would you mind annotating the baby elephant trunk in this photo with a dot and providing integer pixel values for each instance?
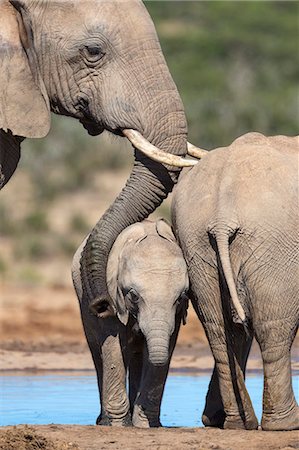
(157, 339)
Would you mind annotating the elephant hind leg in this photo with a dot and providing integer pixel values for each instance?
(239, 413)
(214, 414)
(280, 409)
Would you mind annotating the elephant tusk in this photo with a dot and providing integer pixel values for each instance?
(195, 151)
(154, 153)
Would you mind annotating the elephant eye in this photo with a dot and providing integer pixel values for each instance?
(133, 296)
(93, 53)
(132, 300)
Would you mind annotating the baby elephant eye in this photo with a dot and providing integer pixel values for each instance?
(133, 296)
(132, 301)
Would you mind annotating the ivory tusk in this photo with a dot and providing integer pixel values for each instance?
(154, 153)
(195, 151)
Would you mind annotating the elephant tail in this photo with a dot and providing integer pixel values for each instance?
(222, 240)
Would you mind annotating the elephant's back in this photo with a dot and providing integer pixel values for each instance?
(250, 184)
(258, 180)
(253, 174)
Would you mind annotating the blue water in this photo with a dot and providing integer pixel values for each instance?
(73, 398)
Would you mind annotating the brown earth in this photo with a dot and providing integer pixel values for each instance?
(61, 437)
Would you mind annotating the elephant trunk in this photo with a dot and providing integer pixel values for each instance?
(148, 185)
(159, 117)
(157, 339)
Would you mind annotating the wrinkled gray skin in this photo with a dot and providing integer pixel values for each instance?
(100, 62)
(236, 218)
(148, 281)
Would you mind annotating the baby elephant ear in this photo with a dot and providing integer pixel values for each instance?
(121, 309)
(24, 106)
(164, 230)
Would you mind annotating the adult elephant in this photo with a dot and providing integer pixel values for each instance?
(100, 62)
(236, 217)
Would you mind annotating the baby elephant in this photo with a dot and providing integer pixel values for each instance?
(148, 283)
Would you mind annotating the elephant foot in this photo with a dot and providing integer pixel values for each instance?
(214, 420)
(237, 423)
(105, 420)
(283, 422)
(142, 419)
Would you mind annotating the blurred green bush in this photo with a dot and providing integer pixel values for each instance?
(235, 64)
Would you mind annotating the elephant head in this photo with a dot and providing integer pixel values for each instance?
(100, 62)
(147, 279)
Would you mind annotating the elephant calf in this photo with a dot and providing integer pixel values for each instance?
(148, 282)
(236, 217)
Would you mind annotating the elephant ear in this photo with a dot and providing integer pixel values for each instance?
(130, 235)
(164, 230)
(121, 309)
(24, 105)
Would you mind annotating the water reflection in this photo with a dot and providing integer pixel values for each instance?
(72, 398)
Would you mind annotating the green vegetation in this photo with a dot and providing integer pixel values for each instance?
(235, 64)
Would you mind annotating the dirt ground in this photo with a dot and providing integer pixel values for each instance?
(62, 437)
(40, 330)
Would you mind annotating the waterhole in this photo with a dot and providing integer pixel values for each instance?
(72, 398)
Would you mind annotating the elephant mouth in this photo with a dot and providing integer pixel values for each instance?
(93, 129)
(140, 143)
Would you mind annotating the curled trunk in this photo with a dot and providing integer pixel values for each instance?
(148, 185)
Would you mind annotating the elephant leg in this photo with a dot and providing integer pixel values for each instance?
(213, 309)
(236, 401)
(214, 414)
(280, 409)
(146, 412)
(135, 369)
(104, 338)
(135, 374)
